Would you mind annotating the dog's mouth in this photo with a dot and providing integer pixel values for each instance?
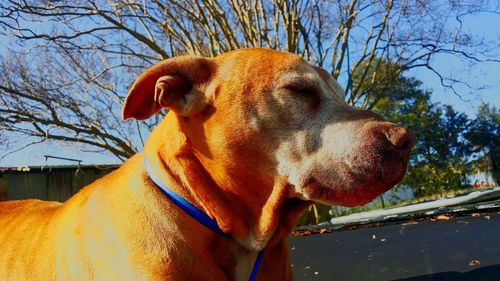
(354, 187)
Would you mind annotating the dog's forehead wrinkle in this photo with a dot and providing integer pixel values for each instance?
(290, 78)
(326, 82)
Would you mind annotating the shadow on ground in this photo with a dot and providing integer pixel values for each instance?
(487, 273)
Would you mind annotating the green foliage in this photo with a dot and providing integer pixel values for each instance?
(438, 162)
(315, 214)
(484, 140)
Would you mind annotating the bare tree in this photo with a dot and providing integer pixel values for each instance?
(70, 63)
(40, 103)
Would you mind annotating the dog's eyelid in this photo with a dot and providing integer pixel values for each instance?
(303, 89)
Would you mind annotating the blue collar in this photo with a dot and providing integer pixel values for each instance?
(196, 213)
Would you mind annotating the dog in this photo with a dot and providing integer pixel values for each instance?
(252, 138)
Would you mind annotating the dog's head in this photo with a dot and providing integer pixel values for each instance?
(261, 115)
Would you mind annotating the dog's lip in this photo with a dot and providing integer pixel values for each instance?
(362, 192)
(385, 177)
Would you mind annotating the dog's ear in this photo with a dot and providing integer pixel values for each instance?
(175, 83)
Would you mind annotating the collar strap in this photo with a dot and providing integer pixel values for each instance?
(196, 213)
(182, 203)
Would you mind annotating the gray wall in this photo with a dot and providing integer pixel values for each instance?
(57, 185)
(3, 188)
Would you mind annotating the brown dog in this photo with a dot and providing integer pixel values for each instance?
(253, 137)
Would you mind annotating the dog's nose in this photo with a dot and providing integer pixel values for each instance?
(400, 137)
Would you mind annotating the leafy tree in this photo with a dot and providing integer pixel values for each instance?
(484, 139)
(438, 161)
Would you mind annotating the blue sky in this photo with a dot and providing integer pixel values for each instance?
(485, 25)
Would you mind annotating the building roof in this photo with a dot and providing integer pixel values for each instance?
(38, 169)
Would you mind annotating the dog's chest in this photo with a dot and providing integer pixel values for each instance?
(245, 261)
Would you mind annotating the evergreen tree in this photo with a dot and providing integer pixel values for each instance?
(484, 140)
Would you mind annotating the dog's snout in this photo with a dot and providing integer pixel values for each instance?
(390, 134)
(400, 137)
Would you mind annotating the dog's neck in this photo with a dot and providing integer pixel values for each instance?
(254, 224)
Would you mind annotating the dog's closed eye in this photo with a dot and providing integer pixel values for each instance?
(301, 89)
(304, 91)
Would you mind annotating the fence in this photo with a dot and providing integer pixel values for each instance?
(53, 184)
